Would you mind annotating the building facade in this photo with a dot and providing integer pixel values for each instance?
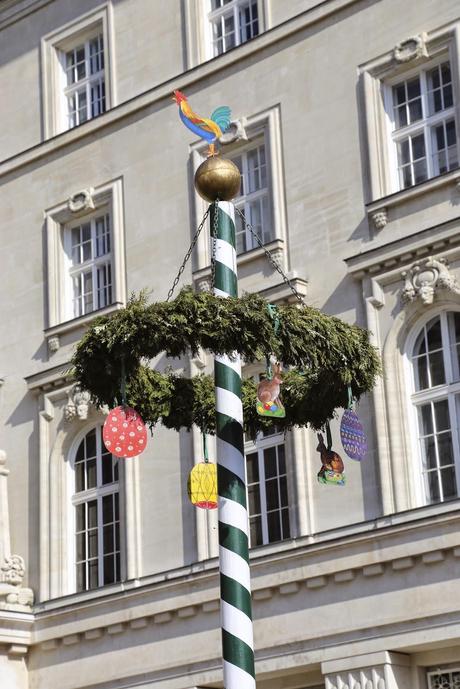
(346, 129)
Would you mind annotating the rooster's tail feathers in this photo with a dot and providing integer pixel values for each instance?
(221, 116)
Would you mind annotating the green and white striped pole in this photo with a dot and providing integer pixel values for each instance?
(235, 588)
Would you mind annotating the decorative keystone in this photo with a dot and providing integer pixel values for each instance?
(425, 278)
(411, 49)
(380, 218)
(81, 201)
(53, 344)
(78, 404)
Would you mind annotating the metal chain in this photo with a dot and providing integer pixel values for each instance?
(188, 254)
(214, 243)
(270, 258)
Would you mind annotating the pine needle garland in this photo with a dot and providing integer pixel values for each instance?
(324, 354)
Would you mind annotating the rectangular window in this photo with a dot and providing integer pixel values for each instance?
(254, 199)
(232, 22)
(88, 249)
(423, 125)
(267, 490)
(444, 679)
(84, 90)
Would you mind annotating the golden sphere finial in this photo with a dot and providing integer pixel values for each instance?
(217, 178)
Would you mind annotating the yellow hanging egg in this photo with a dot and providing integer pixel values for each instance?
(202, 486)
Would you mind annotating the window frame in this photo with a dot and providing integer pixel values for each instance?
(71, 271)
(425, 125)
(415, 398)
(52, 48)
(258, 446)
(107, 196)
(440, 671)
(97, 494)
(233, 7)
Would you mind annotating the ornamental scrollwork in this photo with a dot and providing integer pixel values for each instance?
(424, 279)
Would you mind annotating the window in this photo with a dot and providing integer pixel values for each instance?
(84, 89)
(267, 489)
(436, 369)
(233, 22)
(97, 517)
(421, 108)
(254, 199)
(444, 679)
(88, 250)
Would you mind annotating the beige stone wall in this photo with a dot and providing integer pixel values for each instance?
(316, 602)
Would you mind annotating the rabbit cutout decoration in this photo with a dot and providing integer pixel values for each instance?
(268, 396)
(332, 469)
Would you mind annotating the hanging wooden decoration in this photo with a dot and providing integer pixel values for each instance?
(332, 469)
(268, 395)
(202, 486)
(124, 432)
(352, 435)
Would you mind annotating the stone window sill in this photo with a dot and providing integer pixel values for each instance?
(53, 334)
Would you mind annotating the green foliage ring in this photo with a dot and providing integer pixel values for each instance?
(324, 355)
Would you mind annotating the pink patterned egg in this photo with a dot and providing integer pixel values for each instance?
(352, 435)
(124, 432)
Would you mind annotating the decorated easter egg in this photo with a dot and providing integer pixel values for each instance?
(202, 486)
(124, 433)
(352, 435)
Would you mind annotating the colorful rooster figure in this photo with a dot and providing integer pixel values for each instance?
(208, 129)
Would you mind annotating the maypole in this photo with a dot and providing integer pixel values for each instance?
(218, 178)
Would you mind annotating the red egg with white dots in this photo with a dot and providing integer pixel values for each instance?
(124, 432)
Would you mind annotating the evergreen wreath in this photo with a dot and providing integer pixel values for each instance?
(324, 356)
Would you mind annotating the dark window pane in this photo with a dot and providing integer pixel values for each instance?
(107, 475)
(440, 143)
(420, 172)
(91, 444)
(283, 491)
(91, 475)
(429, 452)
(274, 526)
(415, 110)
(399, 93)
(451, 136)
(92, 543)
(281, 460)
(418, 147)
(271, 491)
(255, 524)
(434, 335)
(93, 574)
(437, 369)
(252, 468)
(270, 462)
(118, 569)
(449, 488)
(79, 477)
(448, 99)
(108, 539)
(413, 88)
(254, 499)
(446, 455)
(425, 419)
(420, 345)
(422, 371)
(406, 177)
(109, 569)
(432, 484)
(117, 506)
(441, 415)
(81, 577)
(445, 73)
(116, 528)
(81, 546)
(107, 509)
(285, 523)
(80, 452)
(80, 517)
(92, 514)
(403, 152)
(115, 468)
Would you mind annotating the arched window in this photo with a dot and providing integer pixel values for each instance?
(97, 513)
(436, 367)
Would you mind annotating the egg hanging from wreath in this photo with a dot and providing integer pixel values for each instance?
(124, 432)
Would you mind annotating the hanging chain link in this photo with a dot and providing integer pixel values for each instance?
(188, 254)
(273, 262)
(214, 243)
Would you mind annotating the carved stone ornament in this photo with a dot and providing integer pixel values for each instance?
(411, 49)
(424, 279)
(81, 201)
(380, 218)
(78, 404)
(204, 284)
(235, 132)
(13, 569)
(53, 344)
